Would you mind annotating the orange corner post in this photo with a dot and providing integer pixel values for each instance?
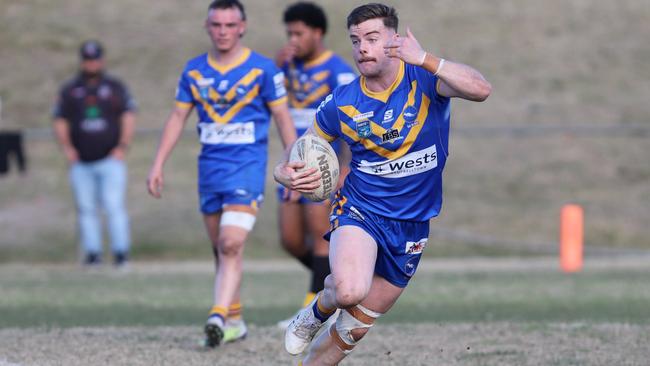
(571, 238)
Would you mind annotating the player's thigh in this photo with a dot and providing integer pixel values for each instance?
(382, 295)
(211, 222)
(353, 253)
(317, 218)
(292, 232)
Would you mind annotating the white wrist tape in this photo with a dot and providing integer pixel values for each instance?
(424, 57)
(440, 64)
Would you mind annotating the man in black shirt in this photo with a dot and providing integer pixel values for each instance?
(93, 122)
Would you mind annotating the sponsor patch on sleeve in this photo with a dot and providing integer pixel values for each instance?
(278, 82)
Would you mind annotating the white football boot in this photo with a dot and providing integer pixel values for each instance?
(302, 329)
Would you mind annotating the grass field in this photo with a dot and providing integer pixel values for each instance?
(455, 312)
(557, 62)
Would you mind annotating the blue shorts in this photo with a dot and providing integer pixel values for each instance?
(399, 243)
(301, 201)
(213, 202)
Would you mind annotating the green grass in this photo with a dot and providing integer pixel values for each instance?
(67, 296)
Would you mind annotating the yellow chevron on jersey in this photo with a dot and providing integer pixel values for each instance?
(376, 128)
(380, 131)
(230, 94)
(314, 96)
(214, 96)
(230, 112)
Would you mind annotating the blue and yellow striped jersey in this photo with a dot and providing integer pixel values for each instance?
(308, 83)
(399, 143)
(232, 103)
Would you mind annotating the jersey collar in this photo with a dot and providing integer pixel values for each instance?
(246, 52)
(384, 94)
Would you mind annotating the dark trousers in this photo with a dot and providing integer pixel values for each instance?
(11, 144)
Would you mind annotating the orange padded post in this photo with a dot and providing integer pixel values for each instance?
(571, 238)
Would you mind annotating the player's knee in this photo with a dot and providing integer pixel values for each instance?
(349, 294)
(230, 247)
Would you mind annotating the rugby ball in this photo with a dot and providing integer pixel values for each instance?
(317, 153)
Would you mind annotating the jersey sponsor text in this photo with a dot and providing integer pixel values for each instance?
(230, 133)
(410, 164)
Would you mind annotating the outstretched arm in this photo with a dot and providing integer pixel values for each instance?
(172, 132)
(456, 79)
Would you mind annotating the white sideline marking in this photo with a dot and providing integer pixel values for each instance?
(457, 265)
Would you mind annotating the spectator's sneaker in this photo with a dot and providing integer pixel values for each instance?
(235, 330)
(302, 330)
(213, 331)
(92, 259)
(120, 259)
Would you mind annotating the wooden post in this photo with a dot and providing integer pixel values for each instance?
(571, 238)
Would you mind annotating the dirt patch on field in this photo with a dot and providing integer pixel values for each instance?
(518, 344)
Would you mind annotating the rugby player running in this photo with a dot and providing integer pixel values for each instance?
(395, 118)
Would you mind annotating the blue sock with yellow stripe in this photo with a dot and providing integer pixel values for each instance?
(321, 312)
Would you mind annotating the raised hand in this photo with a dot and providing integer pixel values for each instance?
(405, 48)
(285, 55)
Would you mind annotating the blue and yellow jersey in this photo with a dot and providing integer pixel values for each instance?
(232, 102)
(399, 143)
(308, 83)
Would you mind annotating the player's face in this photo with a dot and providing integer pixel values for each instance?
(368, 40)
(225, 27)
(304, 39)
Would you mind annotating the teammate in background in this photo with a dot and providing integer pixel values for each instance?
(235, 91)
(395, 118)
(93, 122)
(312, 72)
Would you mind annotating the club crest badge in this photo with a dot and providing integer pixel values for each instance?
(363, 129)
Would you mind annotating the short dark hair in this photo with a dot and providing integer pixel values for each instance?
(307, 12)
(227, 4)
(373, 11)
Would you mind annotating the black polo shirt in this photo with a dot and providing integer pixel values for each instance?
(93, 109)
